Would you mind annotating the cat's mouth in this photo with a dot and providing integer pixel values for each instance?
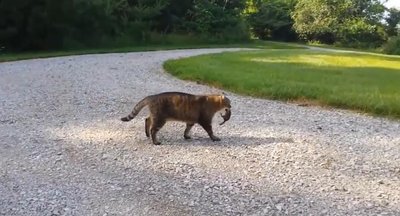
(226, 116)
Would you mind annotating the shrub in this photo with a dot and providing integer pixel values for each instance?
(219, 20)
(272, 20)
(392, 46)
(360, 34)
(35, 24)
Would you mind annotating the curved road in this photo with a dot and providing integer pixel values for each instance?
(64, 151)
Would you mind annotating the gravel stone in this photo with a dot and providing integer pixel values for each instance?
(64, 150)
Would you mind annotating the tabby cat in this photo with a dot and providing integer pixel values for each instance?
(178, 106)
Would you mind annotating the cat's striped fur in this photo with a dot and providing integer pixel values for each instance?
(178, 106)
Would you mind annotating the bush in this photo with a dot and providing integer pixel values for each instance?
(50, 24)
(218, 20)
(392, 46)
(35, 24)
(352, 23)
(272, 20)
(91, 24)
(358, 33)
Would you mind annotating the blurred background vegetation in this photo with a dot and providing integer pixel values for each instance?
(31, 25)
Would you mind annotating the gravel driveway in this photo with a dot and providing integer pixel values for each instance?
(64, 150)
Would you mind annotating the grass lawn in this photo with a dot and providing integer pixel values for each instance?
(44, 54)
(362, 82)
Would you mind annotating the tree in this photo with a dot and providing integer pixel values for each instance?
(348, 22)
(218, 19)
(174, 15)
(50, 24)
(35, 24)
(393, 22)
(271, 20)
(142, 14)
(317, 19)
(370, 10)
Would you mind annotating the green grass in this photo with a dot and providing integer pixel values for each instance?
(338, 47)
(185, 45)
(362, 82)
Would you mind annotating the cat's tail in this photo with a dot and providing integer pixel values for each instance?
(139, 106)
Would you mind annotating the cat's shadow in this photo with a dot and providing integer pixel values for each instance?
(234, 140)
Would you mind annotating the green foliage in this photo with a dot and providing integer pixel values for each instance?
(358, 33)
(392, 46)
(91, 24)
(49, 24)
(174, 15)
(72, 24)
(218, 19)
(315, 20)
(393, 22)
(34, 24)
(370, 10)
(271, 20)
(347, 22)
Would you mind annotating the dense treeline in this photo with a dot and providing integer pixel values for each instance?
(50, 24)
(350, 23)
